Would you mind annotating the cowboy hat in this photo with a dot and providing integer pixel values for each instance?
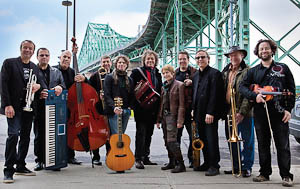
(234, 49)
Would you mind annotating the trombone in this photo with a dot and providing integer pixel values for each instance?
(102, 71)
(233, 133)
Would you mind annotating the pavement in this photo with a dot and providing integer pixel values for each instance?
(85, 177)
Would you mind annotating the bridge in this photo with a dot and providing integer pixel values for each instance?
(175, 25)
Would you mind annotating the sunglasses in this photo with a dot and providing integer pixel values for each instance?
(200, 57)
(42, 55)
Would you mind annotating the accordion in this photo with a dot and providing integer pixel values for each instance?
(56, 131)
(145, 94)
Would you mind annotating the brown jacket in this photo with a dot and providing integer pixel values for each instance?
(177, 107)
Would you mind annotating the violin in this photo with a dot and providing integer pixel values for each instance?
(269, 92)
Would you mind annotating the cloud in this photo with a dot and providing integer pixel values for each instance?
(125, 23)
(4, 13)
(48, 33)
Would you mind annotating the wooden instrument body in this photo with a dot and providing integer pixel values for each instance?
(85, 115)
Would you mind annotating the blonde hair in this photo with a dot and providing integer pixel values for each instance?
(168, 68)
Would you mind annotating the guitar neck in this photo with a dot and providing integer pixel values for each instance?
(120, 132)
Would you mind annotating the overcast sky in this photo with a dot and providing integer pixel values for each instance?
(43, 21)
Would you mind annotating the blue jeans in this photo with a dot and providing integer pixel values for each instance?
(246, 129)
(113, 121)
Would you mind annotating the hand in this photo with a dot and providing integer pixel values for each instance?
(188, 82)
(239, 118)
(118, 110)
(192, 113)
(58, 90)
(44, 94)
(9, 111)
(209, 119)
(179, 125)
(286, 117)
(79, 78)
(101, 95)
(260, 98)
(35, 87)
(158, 125)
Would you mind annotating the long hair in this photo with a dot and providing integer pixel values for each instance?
(271, 43)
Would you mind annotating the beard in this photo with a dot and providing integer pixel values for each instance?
(266, 58)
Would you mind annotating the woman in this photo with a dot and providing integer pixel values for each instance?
(145, 117)
(118, 84)
(171, 114)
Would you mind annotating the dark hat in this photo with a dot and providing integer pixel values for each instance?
(234, 49)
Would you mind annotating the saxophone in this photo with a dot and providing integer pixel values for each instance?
(197, 145)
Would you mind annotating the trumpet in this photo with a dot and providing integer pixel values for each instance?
(29, 94)
(197, 145)
(233, 133)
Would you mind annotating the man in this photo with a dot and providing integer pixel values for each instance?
(185, 73)
(69, 78)
(208, 100)
(54, 81)
(94, 81)
(145, 118)
(279, 76)
(233, 75)
(15, 75)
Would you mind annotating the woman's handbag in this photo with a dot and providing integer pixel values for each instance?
(144, 93)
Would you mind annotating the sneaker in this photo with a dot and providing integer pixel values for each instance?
(74, 161)
(287, 182)
(97, 162)
(24, 171)
(8, 178)
(260, 178)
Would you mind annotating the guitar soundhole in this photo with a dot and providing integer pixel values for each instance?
(120, 144)
(121, 155)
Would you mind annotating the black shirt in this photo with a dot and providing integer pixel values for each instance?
(46, 74)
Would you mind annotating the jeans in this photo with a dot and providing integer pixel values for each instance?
(246, 129)
(18, 126)
(113, 121)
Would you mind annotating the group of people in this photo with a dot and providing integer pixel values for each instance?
(203, 95)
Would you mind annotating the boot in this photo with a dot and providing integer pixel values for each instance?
(170, 165)
(175, 149)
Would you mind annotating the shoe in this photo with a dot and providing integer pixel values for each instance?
(246, 173)
(24, 171)
(202, 167)
(260, 178)
(8, 178)
(74, 161)
(212, 172)
(139, 164)
(229, 172)
(97, 162)
(58, 169)
(170, 165)
(287, 182)
(148, 162)
(120, 171)
(179, 168)
(39, 166)
(191, 165)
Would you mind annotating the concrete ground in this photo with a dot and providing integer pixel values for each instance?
(84, 176)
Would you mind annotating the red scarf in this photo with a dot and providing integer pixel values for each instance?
(149, 78)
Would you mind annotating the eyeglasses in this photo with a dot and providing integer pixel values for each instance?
(200, 57)
(42, 55)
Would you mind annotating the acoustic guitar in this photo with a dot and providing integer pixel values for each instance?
(120, 157)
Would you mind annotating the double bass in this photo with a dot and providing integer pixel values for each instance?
(87, 129)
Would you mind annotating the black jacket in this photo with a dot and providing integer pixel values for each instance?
(211, 98)
(13, 83)
(277, 75)
(142, 114)
(56, 78)
(68, 75)
(112, 90)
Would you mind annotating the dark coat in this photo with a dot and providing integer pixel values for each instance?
(177, 103)
(13, 83)
(283, 79)
(68, 77)
(211, 98)
(111, 90)
(142, 114)
(56, 78)
(94, 81)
